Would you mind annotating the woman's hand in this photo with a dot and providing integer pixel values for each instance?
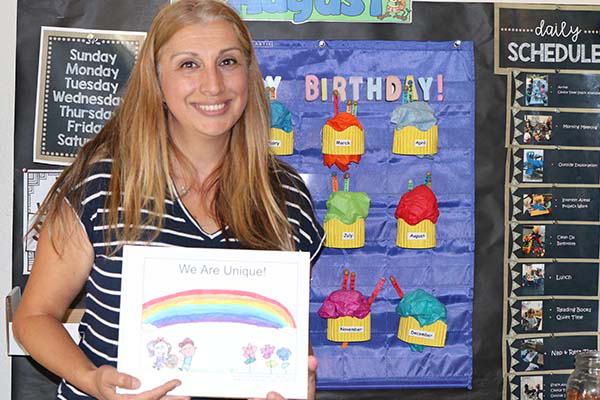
(312, 381)
(107, 379)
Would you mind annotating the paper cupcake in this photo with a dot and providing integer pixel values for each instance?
(282, 134)
(343, 137)
(416, 131)
(422, 319)
(344, 221)
(417, 213)
(348, 312)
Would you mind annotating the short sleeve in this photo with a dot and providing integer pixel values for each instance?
(308, 233)
(90, 207)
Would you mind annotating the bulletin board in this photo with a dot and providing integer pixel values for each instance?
(443, 269)
(463, 56)
(551, 230)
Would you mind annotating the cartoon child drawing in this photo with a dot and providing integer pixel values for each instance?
(161, 351)
(397, 7)
(187, 350)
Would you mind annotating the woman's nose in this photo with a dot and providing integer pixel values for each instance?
(211, 81)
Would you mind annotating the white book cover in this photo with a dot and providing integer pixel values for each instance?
(227, 323)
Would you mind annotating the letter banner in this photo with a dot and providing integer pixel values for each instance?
(382, 133)
(300, 11)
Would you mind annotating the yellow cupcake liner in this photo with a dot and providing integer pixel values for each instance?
(347, 142)
(344, 236)
(411, 141)
(281, 142)
(349, 329)
(434, 334)
(419, 236)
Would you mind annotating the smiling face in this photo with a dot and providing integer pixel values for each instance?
(203, 76)
(161, 348)
(188, 350)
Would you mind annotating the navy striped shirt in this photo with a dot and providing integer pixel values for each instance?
(99, 327)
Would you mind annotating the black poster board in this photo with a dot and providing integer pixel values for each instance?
(546, 37)
(81, 77)
(551, 56)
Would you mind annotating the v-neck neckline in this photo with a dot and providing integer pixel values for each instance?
(190, 217)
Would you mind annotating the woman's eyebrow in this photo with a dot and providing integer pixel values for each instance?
(194, 54)
(182, 53)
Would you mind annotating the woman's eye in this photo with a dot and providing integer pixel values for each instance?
(188, 64)
(229, 61)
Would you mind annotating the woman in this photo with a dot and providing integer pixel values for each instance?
(184, 161)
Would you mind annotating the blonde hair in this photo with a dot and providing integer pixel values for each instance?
(248, 198)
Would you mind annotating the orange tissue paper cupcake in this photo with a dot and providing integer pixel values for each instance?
(417, 214)
(343, 137)
(348, 312)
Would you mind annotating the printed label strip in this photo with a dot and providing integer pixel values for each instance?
(554, 127)
(537, 165)
(553, 203)
(553, 279)
(555, 240)
(532, 386)
(548, 353)
(553, 316)
(556, 90)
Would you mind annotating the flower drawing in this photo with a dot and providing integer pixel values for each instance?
(267, 352)
(249, 353)
(284, 354)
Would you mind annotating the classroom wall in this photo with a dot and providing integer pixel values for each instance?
(463, 19)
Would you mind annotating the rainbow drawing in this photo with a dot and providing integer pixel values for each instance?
(193, 306)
